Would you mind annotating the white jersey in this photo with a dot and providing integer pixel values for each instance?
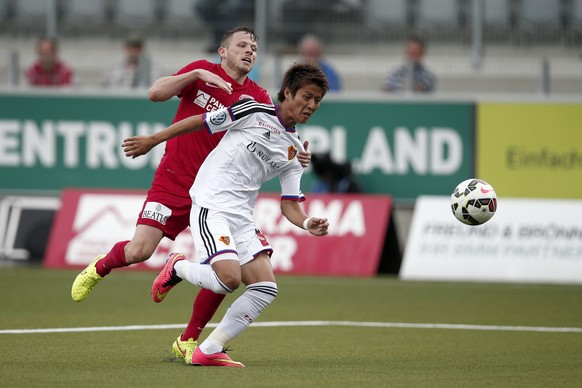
(256, 148)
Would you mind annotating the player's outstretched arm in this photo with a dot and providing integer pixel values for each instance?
(167, 87)
(293, 211)
(140, 145)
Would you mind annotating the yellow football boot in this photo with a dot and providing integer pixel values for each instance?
(85, 281)
(184, 349)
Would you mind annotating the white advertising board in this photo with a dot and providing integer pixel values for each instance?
(527, 240)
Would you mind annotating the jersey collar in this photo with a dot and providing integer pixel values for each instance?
(287, 129)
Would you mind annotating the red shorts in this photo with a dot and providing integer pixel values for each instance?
(167, 207)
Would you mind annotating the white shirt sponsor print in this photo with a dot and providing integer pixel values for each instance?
(157, 212)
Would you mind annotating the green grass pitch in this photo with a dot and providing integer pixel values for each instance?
(486, 355)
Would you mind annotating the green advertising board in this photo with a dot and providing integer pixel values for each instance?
(48, 142)
(399, 148)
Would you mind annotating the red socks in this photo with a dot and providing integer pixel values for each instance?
(114, 259)
(205, 305)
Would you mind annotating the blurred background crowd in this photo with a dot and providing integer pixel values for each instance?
(441, 47)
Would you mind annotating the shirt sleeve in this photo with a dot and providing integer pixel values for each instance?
(223, 120)
(291, 184)
(200, 64)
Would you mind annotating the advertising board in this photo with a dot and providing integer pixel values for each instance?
(527, 240)
(90, 222)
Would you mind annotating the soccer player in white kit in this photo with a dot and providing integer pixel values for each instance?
(261, 143)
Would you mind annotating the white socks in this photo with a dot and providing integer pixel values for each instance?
(245, 309)
(201, 275)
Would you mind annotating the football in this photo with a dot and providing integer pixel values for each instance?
(474, 202)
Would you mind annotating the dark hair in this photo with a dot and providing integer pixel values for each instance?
(418, 40)
(228, 34)
(134, 39)
(299, 75)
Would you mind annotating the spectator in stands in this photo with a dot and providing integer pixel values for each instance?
(310, 48)
(412, 71)
(136, 70)
(48, 70)
(223, 15)
(333, 177)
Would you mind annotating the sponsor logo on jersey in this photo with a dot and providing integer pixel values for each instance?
(265, 157)
(202, 99)
(224, 239)
(207, 102)
(267, 135)
(157, 212)
(270, 127)
(218, 118)
(291, 152)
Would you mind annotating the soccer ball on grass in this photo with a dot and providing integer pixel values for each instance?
(474, 202)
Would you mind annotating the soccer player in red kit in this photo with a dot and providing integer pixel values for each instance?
(202, 87)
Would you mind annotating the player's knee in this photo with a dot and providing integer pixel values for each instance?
(231, 279)
(228, 272)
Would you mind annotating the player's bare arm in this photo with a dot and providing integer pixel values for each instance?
(140, 145)
(304, 157)
(167, 87)
(293, 211)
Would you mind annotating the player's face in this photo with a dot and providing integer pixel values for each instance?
(241, 53)
(301, 106)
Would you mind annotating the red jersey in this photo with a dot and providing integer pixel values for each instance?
(185, 153)
(61, 75)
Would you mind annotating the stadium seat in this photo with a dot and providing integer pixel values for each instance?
(31, 16)
(179, 18)
(539, 20)
(497, 23)
(440, 18)
(87, 16)
(136, 14)
(576, 22)
(388, 16)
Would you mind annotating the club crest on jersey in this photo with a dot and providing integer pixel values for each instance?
(291, 152)
(224, 239)
(218, 118)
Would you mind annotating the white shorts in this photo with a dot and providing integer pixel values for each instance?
(225, 236)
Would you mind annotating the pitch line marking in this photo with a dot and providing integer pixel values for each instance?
(446, 326)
